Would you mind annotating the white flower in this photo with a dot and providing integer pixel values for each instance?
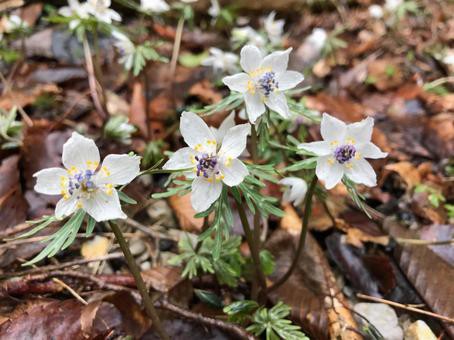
(264, 82)
(75, 9)
(249, 35)
(126, 48)
(391, 5)
(343, 150)
(317, 39)
(221, 61)
(157, 6)
(214, 9)
(296, 190)
(85, 185)
(211, 163)
(375, 11)
(100, 9)
(13, 22)
(274, 28)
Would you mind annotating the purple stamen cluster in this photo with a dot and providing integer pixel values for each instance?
(268, 83)
(344, 153)
(206, 165)
(81, 180)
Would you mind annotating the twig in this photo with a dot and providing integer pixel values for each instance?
(135, 271)
(304, 230)
(69, 289)
(13, 243)
(154, 230)
(406, 307)
(14, 229)
(418, 242)
(62, 265)
(229, 327)
(176, 48)
(23, 114)
(92, 80)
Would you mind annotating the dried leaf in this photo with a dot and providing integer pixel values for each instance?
(185, 213)
(430, 275)
(407, 172)
(311, 291)
(97, 247)
(385, 74)
(205, 91)
(137, 112)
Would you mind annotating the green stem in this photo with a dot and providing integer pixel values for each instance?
(255, 251)
(302, 240)
(151, 311)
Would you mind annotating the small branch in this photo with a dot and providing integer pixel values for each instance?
(418, 242)
(228, 327)
(135, 271)
(302, 240)
(406, 307)
(62, 265)
(70, 290)
(176, 48)
(92, 80)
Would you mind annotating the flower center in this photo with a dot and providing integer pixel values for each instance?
(344, 153)
(82, 181)
(268, 83)
(207, 165)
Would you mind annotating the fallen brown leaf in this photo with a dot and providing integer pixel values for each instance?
(185, 213)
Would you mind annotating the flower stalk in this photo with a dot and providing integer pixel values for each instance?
(255, 251)
(302, 239)
(147, 301)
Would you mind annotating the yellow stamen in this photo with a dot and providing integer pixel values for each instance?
(198, 147)
(105, 170)
(350, 140)
(228, 161)
(334, 143)
(109, 189)
(357, 155)
(349, 165)
(250, 87)
(79, 205)
(72, 170)
(331, 161)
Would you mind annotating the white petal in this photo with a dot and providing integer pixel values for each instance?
(234, 172)
(329, 171)
(78, 150)
(238, 82)
(227, 124)
(114, 15)
(361, 132)
(370, 150)
(277, 61)
(289, 79)
(296, 190)
(234, 141)
(254, 106)
(361, 172)
(321, 148)
(277, 102)
(102, 206)
(66, 207)
(204, 193)
(250, 58)
(181, 159)
(332, 129)
(48, 181)
(196, 133)
(118, 170)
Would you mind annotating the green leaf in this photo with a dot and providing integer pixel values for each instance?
(267, 262)
(209, 298)
(125, 198)
(91, 223)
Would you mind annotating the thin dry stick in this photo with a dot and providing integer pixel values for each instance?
(70, 290)
(176, 48)
(406, 307)
(92, 80)
(62, 265)
(302, 240)
(135, 271)
(229, 327)
(418, 242)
